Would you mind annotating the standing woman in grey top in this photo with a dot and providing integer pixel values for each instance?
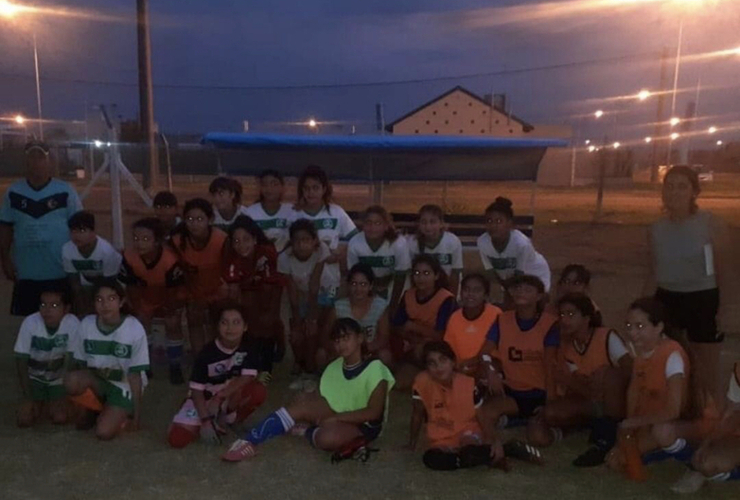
(688, 261)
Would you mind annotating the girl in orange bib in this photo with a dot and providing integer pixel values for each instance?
(422, 316)
(458, 433)
(154, 278)
(592, 375)
(519, 356)
(200, 247)
(658, 404)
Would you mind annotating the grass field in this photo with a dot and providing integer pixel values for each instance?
(62, 463)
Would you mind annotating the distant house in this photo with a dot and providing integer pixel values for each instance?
(461, 112)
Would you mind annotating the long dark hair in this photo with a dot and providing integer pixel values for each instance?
(249, 225)
(434, 210)
(316, 173)
(366, 271)
(440, 347)
(585, 306)
(182, 229)
(347, 325)
(433, 262)
(390, 233)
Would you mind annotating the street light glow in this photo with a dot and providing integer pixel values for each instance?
(588, 141)
(674, 136)
(19, 119)
(675, 121)
(312, 123)
(616, 145)
(719, 143)
(591, 149)
(643, 94)
(648, 140)
(712, 129)
(8, 9)
(97, 143)
(599, 113)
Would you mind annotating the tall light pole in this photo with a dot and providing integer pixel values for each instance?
(10, 10)
(146, 90)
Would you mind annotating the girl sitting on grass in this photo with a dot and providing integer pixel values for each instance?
(348, 412)
(223, 388)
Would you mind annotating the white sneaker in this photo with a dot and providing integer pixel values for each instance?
(297, 384)
(690, 482)
(310, 385)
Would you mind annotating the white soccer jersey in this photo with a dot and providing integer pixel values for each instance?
(115, 355)
(223, 224)
(331, 222)
(274, 225)
(389, 258)
(301, 271)
(448, 251)
(733, 393)
(103, 262)
(46, 352)
(519, 257)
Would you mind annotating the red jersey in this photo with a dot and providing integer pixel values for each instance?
(253, 271)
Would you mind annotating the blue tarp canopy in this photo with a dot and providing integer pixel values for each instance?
(388, 158)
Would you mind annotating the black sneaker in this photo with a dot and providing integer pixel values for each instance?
(86, 420)
(176, 375)
(592, 457)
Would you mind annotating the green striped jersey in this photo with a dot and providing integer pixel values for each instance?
(275, 226)
(115, 355)
(46, 352)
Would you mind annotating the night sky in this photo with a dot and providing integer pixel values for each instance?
(282, 43)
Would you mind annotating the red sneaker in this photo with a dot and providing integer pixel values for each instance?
(240, 450)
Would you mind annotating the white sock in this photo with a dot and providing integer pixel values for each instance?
(722, 476)
(285, 419)
(678, 445)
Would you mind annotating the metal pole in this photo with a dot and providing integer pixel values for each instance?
(659, 115)
(675, 82)
(38, 87)
(146, 90)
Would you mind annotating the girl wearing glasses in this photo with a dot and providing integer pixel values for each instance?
(506, 251)
(200, 247)
(380, 247)
(421, 317)
(592, 374)
(363, 306)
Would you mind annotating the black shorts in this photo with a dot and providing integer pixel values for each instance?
(528, 402)
(694, 312)
(27, 295)
(371, 430)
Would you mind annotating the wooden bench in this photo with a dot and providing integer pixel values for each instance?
(467, 227)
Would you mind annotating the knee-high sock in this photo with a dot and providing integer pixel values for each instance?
(275, 424)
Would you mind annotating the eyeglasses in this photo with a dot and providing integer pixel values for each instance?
(497, 220)
(571, 282)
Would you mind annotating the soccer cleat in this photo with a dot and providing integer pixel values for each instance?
(264, 378)
(356, 449)
(690, 482)
(299, 430)
(239, 450)
(176, 377)
(522, 451)
(592, 457)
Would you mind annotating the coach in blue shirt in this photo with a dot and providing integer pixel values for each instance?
(33, 220)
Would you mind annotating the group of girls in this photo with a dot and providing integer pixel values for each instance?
(540, 358)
